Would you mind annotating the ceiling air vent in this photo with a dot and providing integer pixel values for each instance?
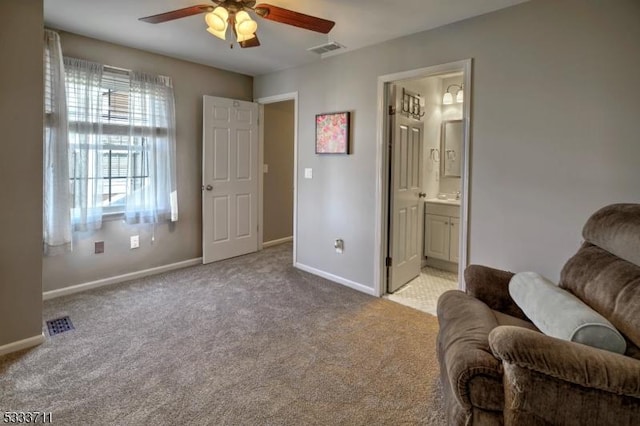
(325, 48)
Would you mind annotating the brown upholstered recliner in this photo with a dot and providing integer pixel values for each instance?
(497, 368)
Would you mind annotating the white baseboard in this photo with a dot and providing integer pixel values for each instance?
(22, 344)
(351, 284)
(442, 264)
(276, 242)
(119, 278)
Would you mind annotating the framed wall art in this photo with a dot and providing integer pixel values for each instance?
(333, 132)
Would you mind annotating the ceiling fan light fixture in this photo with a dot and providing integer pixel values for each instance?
(233, 13)
(217, 22)
(221, 13)
(220, 34)
(242, 37)
(245, 26)
(242, 16)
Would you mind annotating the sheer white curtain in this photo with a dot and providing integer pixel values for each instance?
(151, 181)
(56, 215)
(84, 106)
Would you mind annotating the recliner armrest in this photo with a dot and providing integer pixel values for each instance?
(492, 287)
(568, 361)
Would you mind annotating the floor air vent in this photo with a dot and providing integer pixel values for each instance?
(325, 48)
(59, 325)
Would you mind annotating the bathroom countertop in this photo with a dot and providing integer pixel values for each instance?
(445, 202)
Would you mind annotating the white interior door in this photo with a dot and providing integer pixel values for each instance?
(229, 178)
(406, 221)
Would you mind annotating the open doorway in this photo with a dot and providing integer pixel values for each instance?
(278, 157)
(424, 191)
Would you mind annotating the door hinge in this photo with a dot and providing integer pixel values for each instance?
(392, 110)
(388, 262)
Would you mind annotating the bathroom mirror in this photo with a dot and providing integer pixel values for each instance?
(451, 148)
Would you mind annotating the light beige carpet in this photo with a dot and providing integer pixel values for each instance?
(247, 341)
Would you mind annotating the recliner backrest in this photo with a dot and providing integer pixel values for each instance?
(605, 272)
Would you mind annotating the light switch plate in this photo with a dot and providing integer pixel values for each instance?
(135, 241)
(308, 173)
(265, 168)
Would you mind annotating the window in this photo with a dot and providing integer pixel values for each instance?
(109, 146)
(119, 160)
(121, 144)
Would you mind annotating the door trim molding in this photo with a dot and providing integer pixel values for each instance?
(382, 164)
(291, 96)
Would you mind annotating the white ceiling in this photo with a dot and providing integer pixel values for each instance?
(359, 23)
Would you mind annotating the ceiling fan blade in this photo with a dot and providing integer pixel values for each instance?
(177, 14)
(285, 16)
(252, 42)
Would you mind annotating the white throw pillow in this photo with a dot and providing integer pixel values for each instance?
(558, 313)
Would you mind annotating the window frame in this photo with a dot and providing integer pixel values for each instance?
(116, 123)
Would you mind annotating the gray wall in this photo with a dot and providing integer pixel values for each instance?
(21, 89)
(173, 243)
(554, 133)
(278, 182)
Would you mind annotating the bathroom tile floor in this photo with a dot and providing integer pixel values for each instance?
(422, 293)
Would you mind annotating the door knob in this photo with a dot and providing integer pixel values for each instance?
(421, 194)
(209, 187)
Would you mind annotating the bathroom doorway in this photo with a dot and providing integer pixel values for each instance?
(425, 181)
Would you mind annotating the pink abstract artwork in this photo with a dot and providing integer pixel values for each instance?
(332, 133)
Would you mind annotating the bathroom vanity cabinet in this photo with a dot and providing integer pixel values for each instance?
(442, 231)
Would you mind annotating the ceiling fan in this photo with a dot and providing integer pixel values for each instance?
(224, 13)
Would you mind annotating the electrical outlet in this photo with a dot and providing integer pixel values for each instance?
(99, 247)
(135, 241)
(339, 245)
